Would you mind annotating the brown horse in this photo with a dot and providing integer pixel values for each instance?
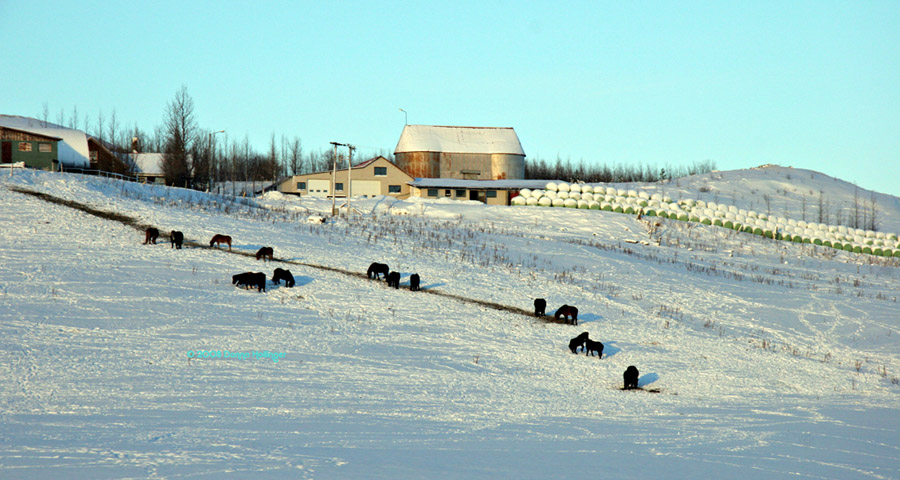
(151, 235)
(219, 239)
(569, 313)
(265, 253)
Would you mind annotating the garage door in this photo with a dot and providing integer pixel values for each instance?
(319, 188)
(366, 188)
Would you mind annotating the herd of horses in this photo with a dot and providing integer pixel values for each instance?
(381, 270)
(567, 313)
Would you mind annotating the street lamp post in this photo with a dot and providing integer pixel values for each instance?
(405, 117)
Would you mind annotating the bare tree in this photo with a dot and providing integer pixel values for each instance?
(180, 128)
(113, 138)
(295, 156)
(45, 114)
(872, 211)
(854, 221)
(73, 120)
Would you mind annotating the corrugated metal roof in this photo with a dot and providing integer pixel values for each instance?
(434, 138)
(73, 148)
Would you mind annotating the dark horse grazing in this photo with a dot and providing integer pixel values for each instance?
(578, 342)
(631, 378)
(219, 239)
(414, 282)
(540, 307)
(150, 236)
(282, 274)
(177, 239)
(591, 346)
(378, 268)
(568, 312)
(250, 279)
(265, 252)
(393, 279)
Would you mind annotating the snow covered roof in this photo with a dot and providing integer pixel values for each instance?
(477, 184)
(73, 148)
(148, 163)
(432, 138)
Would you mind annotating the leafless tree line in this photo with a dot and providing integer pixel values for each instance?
(539, 169)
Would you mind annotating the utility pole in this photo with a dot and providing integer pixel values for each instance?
(334, 174)
(349, 182)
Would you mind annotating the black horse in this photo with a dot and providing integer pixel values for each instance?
(591, 346)
(414, 282)
(540, 307)
(150, 236)
(393, 279)
(281, 274)
(568, 312)
(177, 239)
(250, 279)
(376, 269)
(578, 342)
(631, 378)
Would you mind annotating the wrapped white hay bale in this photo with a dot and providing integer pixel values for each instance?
(594, 205)
(571, 203)
(880, 235)
(644, 195)
(606, 206)
(531, 201)
(693, 217)
(537, 193)
(688, 201)
(743, 212)
(870, 234)
(563, 187)
(559, 202)
(656, 196)
(712, 205)
(575, 195)
(618, 208)
(588, 196)
(667, 199)
(631, 193)
(629, 209)
(718, 221)
(706, 220)
(729, 215)
(802, 224)
(583, 204)
(551, 194)
(587, 189)
(563, 194)
(752, 214)
(520, 200)
(545, 202)
(709, 212)
(650, 212)
(700, 203)
(842, 229)
(732, 209)
(525, 192)
(551, 186)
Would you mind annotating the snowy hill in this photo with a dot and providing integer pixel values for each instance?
(770, 359)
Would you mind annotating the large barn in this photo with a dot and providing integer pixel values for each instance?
(71, 150)
(469, 153)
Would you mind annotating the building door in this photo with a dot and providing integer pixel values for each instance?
(365, 188)
(7, 152)
(319, 188)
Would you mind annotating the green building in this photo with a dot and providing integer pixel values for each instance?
(34, 149)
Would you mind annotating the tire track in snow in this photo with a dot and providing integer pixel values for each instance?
(137, 224)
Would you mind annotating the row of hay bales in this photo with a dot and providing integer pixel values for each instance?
(610, 199)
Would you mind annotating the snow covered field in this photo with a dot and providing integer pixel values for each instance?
(771, 359)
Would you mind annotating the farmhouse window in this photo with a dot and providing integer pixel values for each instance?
(380, 171)
(393, 188)
(301, 185)
(24, 146)
(460, 193)
(491, 194)
(45, 147)
(446, 193)
(338, 187)
(432, 192)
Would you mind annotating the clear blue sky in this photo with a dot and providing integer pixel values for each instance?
(807, 84)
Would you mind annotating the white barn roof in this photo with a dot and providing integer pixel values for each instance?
(73, 148)
(432, 138)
